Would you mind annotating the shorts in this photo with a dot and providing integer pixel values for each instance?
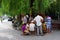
(48, 25)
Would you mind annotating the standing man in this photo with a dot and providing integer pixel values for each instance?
(39, 19)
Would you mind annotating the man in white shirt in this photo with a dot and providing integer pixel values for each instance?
(39, 19)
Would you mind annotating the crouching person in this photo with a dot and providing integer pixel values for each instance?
(32, 28)
(44, 27)
(24, 30)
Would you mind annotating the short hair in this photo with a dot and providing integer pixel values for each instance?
(41, 14)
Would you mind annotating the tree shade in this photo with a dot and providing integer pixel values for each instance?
(16, 7)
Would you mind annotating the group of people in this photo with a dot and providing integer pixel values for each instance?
(36, 25)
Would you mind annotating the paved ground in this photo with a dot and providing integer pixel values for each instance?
(8, 33)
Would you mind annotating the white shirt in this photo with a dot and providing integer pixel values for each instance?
(27, 25)
(32, 27)
(38, 20)
(48, 19)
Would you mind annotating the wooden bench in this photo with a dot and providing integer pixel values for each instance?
(56, 24)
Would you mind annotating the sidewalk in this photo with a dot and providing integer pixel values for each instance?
(8, 33)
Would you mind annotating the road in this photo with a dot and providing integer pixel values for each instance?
(8, 33)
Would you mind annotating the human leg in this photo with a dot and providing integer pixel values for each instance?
(37, 30)
(41, 30)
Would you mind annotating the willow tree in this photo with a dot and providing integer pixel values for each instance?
(0, 3)
(15, 7)
(0, 7)
(19, 6)
(58, 8)
(58, 5)
(41, 5)
(25, 6)
(5, 6)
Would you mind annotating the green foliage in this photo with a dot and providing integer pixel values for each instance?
(5, 6)
(41, 5)
(0, 11)
(0, 8)
(0, 3)
(58, 6)
(16, 7)
(25, 6)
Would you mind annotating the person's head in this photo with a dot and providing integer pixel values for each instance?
(41, 14)
(22, 15)
(38, 13)
(47, 16)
